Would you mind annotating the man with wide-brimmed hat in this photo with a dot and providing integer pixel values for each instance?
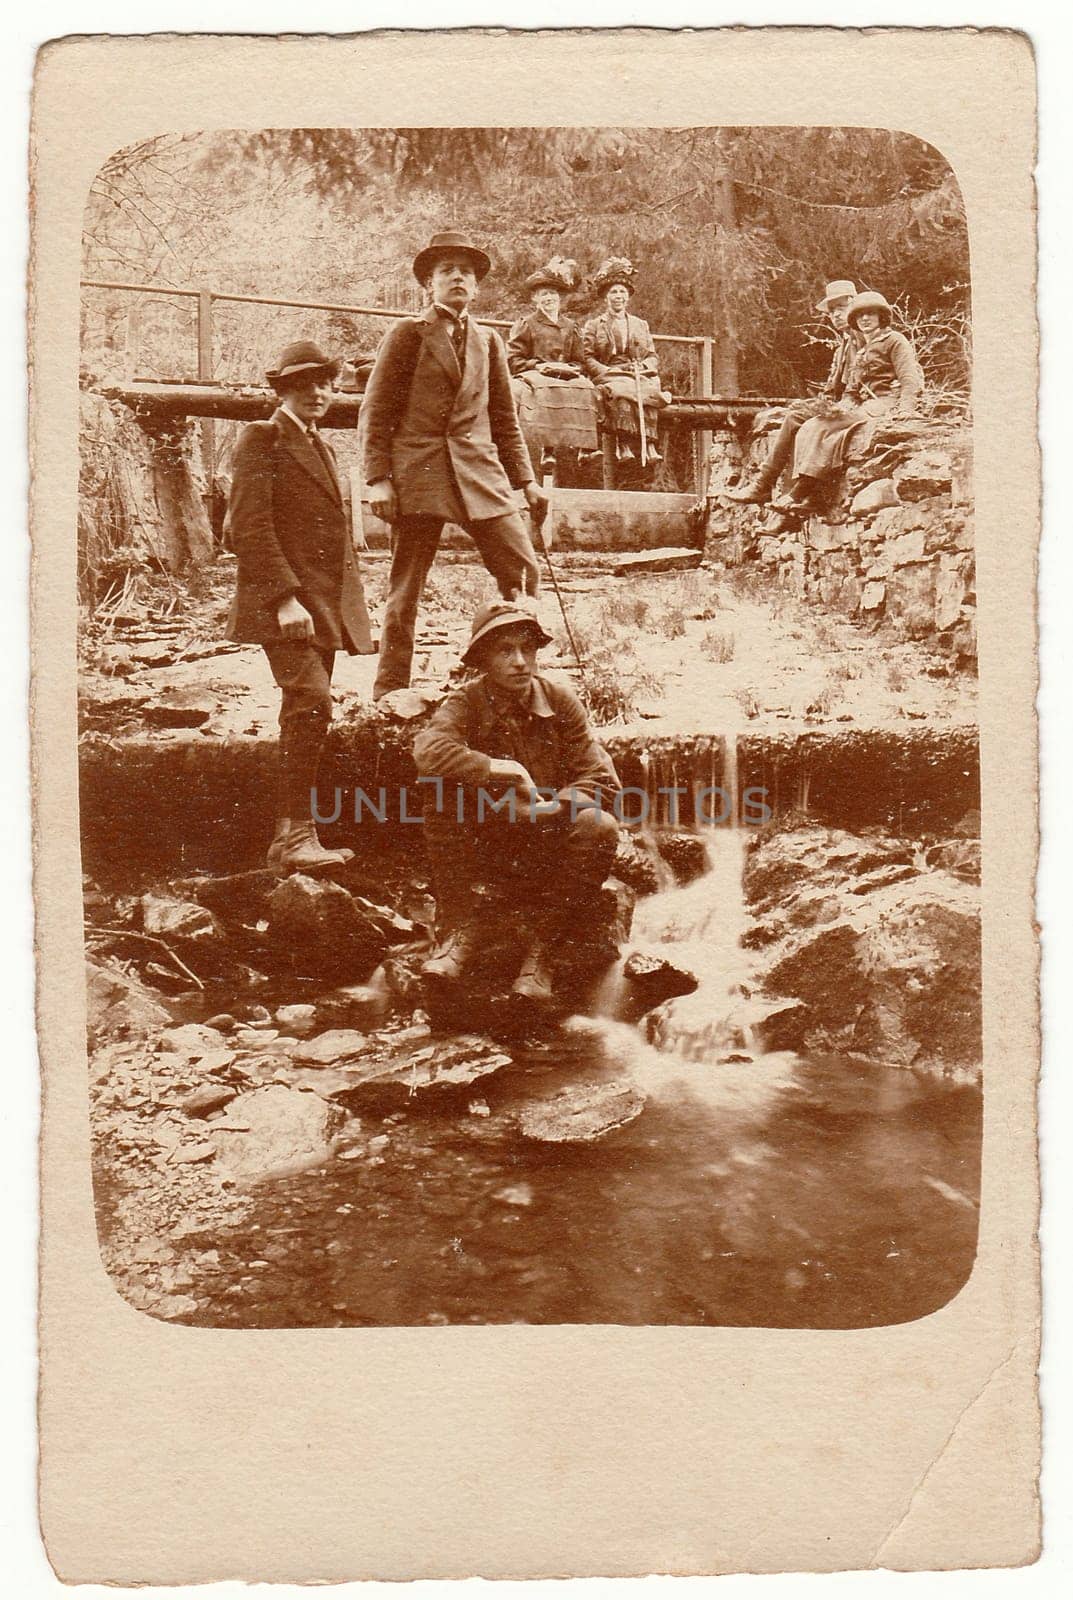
(299, 592)
(442, 444)
(556, 401)
(525, 799)
(835, 304)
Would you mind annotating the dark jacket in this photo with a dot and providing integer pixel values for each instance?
(534, 340)
(884, 364)
(449, 441)
(551, 737)
(602, 356)
(291, 533)
(841, 367)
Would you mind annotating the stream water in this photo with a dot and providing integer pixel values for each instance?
(754, 1189)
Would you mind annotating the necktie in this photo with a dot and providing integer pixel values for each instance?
(323, 452)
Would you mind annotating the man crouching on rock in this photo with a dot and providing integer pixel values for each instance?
(520, 797)
(299, 591)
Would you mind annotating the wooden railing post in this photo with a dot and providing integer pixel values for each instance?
(705, 387)
(205, 374)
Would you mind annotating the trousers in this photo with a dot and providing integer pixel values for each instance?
(505, 548)
(303, 672)
(798, 412)
(555, 861)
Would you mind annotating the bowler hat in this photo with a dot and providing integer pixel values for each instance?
(303, 356)
(450, 244)
(502, 614)
(840, 289)
(870, 300)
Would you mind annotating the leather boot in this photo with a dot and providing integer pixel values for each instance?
(749, 494)
(279, 841)
(454, 956)
(534, 980)
(623, 451)
(303, 851)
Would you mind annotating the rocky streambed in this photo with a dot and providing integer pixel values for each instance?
(764, 1110)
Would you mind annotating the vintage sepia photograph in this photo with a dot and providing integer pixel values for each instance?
(528, 734)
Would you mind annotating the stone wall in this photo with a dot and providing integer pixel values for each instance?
(893, 547)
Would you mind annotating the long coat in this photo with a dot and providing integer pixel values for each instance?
(291, 533)
(448, 440)
(534, 338)
(603, 356)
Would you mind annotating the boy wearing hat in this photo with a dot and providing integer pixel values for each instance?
(299, 594)
(516, 738)
(442, 444)
(837, 298)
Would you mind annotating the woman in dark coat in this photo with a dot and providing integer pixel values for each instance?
(884, 380)
(556, 402)
(620, 358)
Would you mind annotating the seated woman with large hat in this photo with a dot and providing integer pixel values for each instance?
(556, 403)
(884, 380)
(620, 358)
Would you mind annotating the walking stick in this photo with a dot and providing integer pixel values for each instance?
(538, 528)
(641, 414)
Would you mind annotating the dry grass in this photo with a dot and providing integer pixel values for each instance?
(718, 646)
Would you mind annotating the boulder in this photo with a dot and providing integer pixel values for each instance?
(874, 497)
(653, 979)
(270, 1131)
(299, 1019)
(405, 705)
(318, 929)
(684, 853)
(181, 919)
(959, 856)
(119, 1005)
(634, 865)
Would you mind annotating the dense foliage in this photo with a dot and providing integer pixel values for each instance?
(734, 231)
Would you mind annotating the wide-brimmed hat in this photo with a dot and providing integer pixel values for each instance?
(502, 614)
(301, 357)
(840, 289)
(455, 244)
(547, 278)
(870, 300)
(616, 269)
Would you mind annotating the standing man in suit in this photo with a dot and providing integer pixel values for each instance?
(442, 444)
(299, 593)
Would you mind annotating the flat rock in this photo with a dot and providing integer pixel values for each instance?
(404, 705)
(581, 1113)
(875, 497)
(211, 1097)
(336, 1044)
(273, 1130)
(674, 559)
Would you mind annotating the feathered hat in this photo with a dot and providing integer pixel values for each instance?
(558, 274)
(616, 269)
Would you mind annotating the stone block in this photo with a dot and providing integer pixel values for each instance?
(830, 535)
(873, 595)
(874, 497)
(952, 585)
(924, 476)
(911, 598)
(906, 547)
(895, 520)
